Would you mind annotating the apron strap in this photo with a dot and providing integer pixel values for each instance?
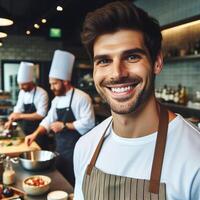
(71, 97)
(159, 151)
(97, 151)
(34, 95)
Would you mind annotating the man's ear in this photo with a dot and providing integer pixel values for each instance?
(66, 83)
(158, 65)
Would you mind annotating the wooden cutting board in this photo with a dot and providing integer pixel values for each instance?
(15, 150)
(17, 193)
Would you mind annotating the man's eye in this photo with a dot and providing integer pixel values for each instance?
(133, 58)
(102, 62)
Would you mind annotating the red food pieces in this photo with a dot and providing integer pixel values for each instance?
(36, 181)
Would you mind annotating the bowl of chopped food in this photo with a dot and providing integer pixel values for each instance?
(36, 185)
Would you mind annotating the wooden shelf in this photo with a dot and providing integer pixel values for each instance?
(3, 97)
(183, 110)
(5, 106)
(182, 58)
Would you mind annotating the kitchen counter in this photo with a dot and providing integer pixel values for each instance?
(15, 150)
(103, 110)
(58, 182)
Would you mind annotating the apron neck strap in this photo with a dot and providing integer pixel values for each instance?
(159, 151)
(97, 151)
(71, 97)
(34, 94)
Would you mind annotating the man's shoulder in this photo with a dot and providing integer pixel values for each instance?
(189, 127)
(186, 137)
(93, 136)
(81, 94)
(40, 90)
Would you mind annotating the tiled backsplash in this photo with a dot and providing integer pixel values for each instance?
(170, 11)
(186, 73)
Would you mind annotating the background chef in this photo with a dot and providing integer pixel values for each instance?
(32, 103)
(71, 113)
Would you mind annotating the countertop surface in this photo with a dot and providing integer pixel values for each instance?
(15, 150)
(58, 182)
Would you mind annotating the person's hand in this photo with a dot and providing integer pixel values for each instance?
(15, 117)
(30, 138)
(57, 126)
(8, 125)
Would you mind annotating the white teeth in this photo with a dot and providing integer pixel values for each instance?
(121, 89)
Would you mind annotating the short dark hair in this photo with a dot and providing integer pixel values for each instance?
(121, 15)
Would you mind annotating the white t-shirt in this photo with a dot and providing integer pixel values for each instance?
(40, 101)
(82, 109)
(132, 157)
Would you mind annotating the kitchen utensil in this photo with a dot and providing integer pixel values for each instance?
(37, 160)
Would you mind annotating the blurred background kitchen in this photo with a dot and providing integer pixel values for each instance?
(39, 27)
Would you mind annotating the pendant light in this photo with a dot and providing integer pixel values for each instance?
(3, 35)
(5, 19)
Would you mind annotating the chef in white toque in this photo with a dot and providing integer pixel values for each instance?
(32, 103)
(70, 116)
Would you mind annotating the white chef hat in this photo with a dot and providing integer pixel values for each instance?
(62, 65)
(25, 72)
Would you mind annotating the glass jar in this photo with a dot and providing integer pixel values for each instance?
(9, 173)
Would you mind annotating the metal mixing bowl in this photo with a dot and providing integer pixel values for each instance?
(37, 160)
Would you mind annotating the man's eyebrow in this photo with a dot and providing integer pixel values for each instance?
(135, 50)
(99, 57)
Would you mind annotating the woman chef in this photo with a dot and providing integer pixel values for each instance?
(70, 116)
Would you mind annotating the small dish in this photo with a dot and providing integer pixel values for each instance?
(57, 195)
(36, 185)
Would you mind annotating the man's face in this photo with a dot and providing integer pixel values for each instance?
(123, 71)
(57, 87)
(27, 87)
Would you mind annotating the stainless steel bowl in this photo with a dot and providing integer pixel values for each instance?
(37, 160)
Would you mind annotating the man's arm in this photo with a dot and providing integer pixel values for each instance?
(58, 126)
(25, 116)
(84, 114)
(30, 138)
(41, 102)
(195, 192)
(18, 109)
(29, 116)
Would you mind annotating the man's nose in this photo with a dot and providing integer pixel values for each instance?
(119, 69)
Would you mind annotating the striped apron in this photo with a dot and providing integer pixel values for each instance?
(98, 185)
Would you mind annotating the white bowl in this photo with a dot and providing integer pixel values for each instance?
(57, 195)
(36, 185)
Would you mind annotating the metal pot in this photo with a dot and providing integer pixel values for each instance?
(37, 160)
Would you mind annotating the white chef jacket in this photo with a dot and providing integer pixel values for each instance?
(82, 109)
(132, 157)
(40, 101)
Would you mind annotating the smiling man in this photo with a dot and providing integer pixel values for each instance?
(143, 151)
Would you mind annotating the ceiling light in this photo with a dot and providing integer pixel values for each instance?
(43, 21)
(5, 22)
(36, 26)
(59, 8)
(5, 19)
(3, 35)
(28, 32)
(1, 44)
(178, 27)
